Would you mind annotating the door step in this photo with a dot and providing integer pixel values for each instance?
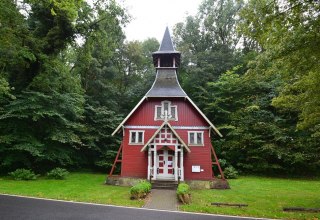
(164, 184)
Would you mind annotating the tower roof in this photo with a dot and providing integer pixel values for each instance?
(166, 84)
(166, 46)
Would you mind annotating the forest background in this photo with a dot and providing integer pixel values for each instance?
(68, 76)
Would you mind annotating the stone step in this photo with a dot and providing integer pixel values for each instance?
(164, 184)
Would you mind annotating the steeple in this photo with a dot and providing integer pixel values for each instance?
(166, 56)
(166, 60)
(166, 44)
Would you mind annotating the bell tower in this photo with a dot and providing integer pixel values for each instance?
(166, 61)
(166, 56)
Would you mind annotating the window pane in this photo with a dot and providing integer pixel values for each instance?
(133, 137)
(199, 138)
(140, 137)
(158, 112)
(173, 112)
(191, 138)
(166, 107)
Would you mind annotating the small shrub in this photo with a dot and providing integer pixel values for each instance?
(57, 173)
(183, 192)
(230, 172)
(183, 188)
(23, 174)
(223, 163)
(140, 190)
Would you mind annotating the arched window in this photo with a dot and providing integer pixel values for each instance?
(166, 109)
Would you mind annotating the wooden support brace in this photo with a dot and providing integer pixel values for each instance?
(116, 160)
(217, 162)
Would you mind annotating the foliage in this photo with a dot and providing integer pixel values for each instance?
(183, 192)
(257, 137)
(289, 34)
(208, 44)
(57, 173)
(140, 190)
(183, 188)
(23, 174)
(49, 117)
(230, 172)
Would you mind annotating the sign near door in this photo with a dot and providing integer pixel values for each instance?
(196, 169)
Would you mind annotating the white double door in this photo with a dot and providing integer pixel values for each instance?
(165, 164)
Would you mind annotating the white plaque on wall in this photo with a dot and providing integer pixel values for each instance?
(195, 169)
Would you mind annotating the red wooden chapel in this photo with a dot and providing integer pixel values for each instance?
(166, 136)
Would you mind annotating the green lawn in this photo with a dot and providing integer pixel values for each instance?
(265, 196)
(84, 187)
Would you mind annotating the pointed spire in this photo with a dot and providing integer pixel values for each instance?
(166, 53)
(166, 44)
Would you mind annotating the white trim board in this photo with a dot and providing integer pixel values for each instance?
(194, 105)
(175, 127)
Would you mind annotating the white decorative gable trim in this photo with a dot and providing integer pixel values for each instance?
(174, 127)
(194, 105)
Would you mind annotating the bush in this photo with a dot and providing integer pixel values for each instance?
(57, 173)
(230, 173)
(183, 188)
(140, 190)
(23, 174)
(183, 192)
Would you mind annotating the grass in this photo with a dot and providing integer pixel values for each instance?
(265, 198)
(81, 187)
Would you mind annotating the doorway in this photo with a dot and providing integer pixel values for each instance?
(165, 162)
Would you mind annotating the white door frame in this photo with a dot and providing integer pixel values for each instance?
(165, 165)
(153, 163)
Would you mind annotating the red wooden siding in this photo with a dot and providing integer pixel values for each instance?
(135, 163)
(199, 155)
(187, 114)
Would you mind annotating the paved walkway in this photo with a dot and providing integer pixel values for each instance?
(164, 199)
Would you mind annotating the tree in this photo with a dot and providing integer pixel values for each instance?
(46, 114)
(257, 138)
(288, 32)
(208, 44)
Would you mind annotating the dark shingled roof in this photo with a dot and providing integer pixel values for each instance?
(166, 46)
(166, 85)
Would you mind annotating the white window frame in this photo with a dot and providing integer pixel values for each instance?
(137, 137)
(195, 141)
(169, 111)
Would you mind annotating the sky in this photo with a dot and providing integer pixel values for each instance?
(150, 17)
